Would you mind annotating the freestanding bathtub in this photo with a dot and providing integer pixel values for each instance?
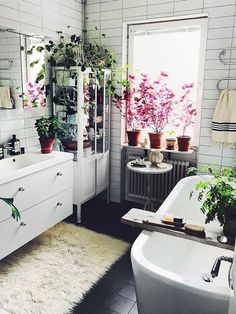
(169, 271)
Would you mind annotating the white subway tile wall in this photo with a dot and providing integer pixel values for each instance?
(108, 16)
(47, 16)
(41, 17)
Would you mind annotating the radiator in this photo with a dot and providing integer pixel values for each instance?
(162, 184)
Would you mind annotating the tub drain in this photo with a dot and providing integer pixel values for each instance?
(206, 278)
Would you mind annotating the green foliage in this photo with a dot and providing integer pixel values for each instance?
(49, 127)
(73, 50)
(217, 192)
(14, 211)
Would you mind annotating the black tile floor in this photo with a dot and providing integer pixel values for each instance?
(115, 292)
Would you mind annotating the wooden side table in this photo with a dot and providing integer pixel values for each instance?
(150, 170)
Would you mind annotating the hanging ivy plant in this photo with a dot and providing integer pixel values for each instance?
(73, 50)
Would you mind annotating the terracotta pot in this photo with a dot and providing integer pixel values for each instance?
(170, 143)
(183, 143)
(156, 139)
(133, 137)
(46, 145)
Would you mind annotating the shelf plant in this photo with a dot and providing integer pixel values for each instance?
(48, 129)
(217, 194)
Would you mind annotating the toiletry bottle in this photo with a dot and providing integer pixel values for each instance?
(15, 145)
(1, 151)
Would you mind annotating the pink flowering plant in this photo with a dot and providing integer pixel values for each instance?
(188, 112)
(152, 104)
(158, 102)
(145, 103)
(128, 103)
(35, 95)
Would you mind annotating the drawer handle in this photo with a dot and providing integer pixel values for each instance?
(59, 204)
(23, 224)
(21, 189)
(59, 174)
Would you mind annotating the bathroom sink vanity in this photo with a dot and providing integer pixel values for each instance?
(42, 189)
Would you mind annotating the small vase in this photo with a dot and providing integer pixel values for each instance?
(46, 145)
(156, 139)
(155, 156)
(183, 143)
(170, 143)
(133, 137)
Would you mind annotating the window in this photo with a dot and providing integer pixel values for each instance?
(176, 47)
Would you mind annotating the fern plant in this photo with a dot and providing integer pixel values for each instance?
(217, 192)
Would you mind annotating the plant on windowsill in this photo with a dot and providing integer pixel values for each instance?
(48, 129)
(131, 111)
(185, 118)
(157, 107)
(217, 193)
(171, 140)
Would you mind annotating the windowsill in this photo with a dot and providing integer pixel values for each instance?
(163, 149)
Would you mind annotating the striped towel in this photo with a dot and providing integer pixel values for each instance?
(224, 119)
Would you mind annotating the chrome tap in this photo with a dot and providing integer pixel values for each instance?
(216, 267)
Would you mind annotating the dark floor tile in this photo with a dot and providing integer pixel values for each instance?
(134, 309)
(128, 291)
(130, 280)
(114, 293)
(120, 304)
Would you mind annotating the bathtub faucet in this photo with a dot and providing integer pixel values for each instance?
(216, 267)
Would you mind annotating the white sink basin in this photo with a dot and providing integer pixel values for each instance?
(17, 162)
(20, 165)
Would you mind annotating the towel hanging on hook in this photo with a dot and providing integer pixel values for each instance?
(225, 79)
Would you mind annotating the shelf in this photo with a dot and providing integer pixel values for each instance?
(164, 150)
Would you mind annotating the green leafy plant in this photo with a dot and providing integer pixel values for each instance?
(217, 192)
(14, 211)
(49, 127)
(74, 50)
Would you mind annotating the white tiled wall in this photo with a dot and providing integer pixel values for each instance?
(41, 17)
(108, 16)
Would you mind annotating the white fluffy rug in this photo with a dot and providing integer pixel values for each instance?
(52, 273)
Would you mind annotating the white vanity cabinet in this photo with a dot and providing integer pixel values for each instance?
(44, 197)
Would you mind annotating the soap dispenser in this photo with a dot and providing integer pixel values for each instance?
(14, 145)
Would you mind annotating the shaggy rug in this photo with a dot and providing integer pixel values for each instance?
(54, 271)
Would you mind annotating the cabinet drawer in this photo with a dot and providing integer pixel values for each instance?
(34, 221)
(37, 187)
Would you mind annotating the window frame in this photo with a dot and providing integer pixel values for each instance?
(199, 21)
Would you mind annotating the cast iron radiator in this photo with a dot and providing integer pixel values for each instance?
(162, 184)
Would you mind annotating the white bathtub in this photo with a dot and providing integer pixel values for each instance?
(168, 270)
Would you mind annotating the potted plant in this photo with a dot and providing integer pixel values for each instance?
(217, 193)
(170, 141)
(74, 50)
(48, 129)
(128, 105)
(185, 118)
(158, 107)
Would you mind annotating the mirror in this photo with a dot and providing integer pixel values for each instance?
(33, 71)
(10, 70)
